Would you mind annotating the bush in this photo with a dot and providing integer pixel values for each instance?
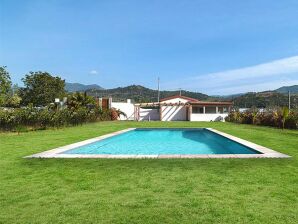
(36, 118)
(273, 118)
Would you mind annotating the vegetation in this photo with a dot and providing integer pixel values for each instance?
(141, 94)
(280, 118)
(77, 87)
(78, 100)
(8, 93)
(41, 88)
(31, 118)
(286, 89)
(38, 109)
(5, 82)
(147, 190)
(285, 116)
(265, 100)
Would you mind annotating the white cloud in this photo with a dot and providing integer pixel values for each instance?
(259, 77)
(93, 72)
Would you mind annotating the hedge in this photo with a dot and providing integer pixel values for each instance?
(30, 118)
(274, 118)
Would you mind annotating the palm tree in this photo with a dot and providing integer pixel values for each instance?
(254, 116)
(285, 115)
(77, 100)
(116, 113)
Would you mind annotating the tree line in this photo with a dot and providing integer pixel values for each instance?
(40, 89)
(33, 106)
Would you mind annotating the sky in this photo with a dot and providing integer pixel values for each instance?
(209, 46)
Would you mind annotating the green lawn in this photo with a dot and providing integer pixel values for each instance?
(147, 190)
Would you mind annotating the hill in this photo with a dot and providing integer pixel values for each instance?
(141, 94)
(265, 99)
(78, 87)
(285, 89)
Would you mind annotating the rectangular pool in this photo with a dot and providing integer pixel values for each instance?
(163, 143)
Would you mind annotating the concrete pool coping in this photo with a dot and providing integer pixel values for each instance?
(58, 152)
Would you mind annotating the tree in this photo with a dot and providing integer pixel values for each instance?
(41, 88)
(116, 113)
(5, 84)
(77, 100)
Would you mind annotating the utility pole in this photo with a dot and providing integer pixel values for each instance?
(158, 93)
(180, 91)
(289, 100)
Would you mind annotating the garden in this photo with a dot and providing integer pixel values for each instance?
(147, 190)
(34, 106)
(135, 190)
(274, 117)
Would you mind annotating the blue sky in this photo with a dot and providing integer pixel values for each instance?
(209, 46)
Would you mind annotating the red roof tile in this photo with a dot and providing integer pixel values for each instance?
(182, 97)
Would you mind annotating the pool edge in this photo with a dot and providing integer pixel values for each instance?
(58, 152)
(266, 152)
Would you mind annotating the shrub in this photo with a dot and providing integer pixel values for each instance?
(36, 118)
(280, 118)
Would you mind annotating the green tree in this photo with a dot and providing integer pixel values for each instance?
(13, 101)
(5, 85)
(5, 81)
(285, 115)
(41, 88)
(77, 100)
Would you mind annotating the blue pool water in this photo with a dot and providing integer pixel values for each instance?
(164, 142)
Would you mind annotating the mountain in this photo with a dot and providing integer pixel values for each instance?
(232, 96)
(141, 94)
(77, 87)
(286, 89)
(265, 99)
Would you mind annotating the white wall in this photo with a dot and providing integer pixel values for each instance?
(169, 113)
(207, 117)
(127, 108)
(149, 114)
(173, 113)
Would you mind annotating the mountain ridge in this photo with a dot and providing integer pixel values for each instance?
(286, 89)
(78, 87)
(138, 93)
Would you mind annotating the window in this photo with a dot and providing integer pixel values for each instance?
(210, 110)
(197, 110)
(220, 110)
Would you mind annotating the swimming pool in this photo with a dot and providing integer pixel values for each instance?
(163, 143)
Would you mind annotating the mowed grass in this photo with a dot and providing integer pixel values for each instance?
(147, 190)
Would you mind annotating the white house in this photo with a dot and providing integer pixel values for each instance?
(174, 108)
(181, 108)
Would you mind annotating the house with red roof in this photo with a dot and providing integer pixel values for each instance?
(182, 108)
